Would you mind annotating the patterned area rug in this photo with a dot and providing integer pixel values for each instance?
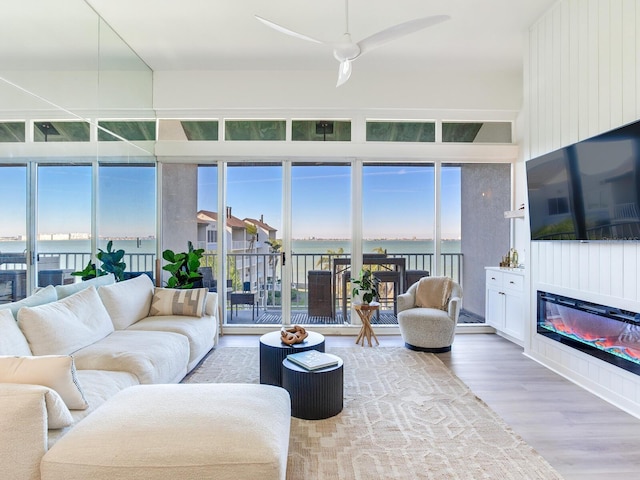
(405, 416)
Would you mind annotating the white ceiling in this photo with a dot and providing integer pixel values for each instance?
(224, 35)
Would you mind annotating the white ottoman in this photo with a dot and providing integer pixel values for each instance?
(178, 432)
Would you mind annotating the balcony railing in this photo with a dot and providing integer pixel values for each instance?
(262, 272)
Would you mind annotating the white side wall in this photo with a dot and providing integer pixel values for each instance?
(582, 77)
(265, 91)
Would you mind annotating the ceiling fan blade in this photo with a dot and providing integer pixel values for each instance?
(344, 72)
(286, 31)
(398, 31)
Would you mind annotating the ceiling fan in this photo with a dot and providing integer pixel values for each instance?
(347, 51)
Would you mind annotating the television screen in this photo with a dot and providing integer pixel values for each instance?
(589, 190)
(551, 209)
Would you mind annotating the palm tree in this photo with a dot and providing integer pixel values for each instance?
(325, 262)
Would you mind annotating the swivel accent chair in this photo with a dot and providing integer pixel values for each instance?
(429, 328)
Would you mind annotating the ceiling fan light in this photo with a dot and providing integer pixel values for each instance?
(344, 72)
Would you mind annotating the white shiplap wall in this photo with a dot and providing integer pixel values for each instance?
(582, 78)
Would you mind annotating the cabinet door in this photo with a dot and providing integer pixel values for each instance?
(513, 316)
(494, 314)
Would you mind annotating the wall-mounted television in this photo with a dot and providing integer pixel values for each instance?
(589, 190)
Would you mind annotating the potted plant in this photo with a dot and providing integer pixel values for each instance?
(183, 267)
(365, 288)
(111, 263)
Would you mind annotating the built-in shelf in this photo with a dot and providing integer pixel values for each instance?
(514, 214)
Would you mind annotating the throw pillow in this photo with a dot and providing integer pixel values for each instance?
(57, 372)
(65, 326)
(12, 341)
(127, 301)
(58, 414)
(433, 292)
(44, 295)
(171, 301)
(64, 291)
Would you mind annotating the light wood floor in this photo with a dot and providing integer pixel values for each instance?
(582, 436)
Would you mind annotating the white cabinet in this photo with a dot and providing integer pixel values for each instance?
(504, 303)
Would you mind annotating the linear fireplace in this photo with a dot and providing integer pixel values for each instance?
(608, 333)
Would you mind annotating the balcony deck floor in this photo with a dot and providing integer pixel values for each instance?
(300, 317)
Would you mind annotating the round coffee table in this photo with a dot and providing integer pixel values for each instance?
(273, 352)
(315, 394)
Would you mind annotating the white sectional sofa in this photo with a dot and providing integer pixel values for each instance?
(66, 350)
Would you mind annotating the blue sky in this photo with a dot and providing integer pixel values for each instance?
(64, 200)
(398, 199)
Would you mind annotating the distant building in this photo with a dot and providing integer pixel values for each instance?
(258, 266)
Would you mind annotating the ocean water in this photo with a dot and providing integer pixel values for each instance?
(372, 246)
(413, 250)
(298, 246)
(81, 246)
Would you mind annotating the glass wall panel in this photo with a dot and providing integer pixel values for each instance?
(188, 130)
(476, 132)
(378, 131)
(12, 132)
(321, 233)
(450, 222)
(127, 214)
(261, 130)
(45, 131)
(320, 131)
(129, 130)
(253, 236)
(13, 233)
(397, 228)
(208, 228)
(64, 222)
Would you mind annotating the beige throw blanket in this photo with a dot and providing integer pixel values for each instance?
(434, 292)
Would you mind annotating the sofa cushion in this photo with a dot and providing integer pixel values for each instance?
(127, 301)
(62, 327)
(54, 371)
(179, 432)
(175, 301)
(99, 386)
(64, 291)
(27, 396)
(153, 357)
(44, 295)
(200, 331)
(12, 341)
(211, 304)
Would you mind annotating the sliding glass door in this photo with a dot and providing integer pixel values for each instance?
(127, 214)
(63, 228)
(398, 228)
(13, 233)
(320, 238)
